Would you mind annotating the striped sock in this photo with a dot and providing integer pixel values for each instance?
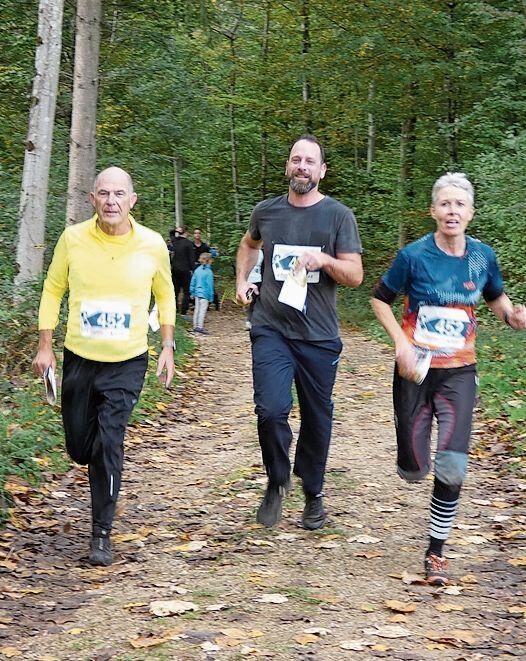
(444, 505)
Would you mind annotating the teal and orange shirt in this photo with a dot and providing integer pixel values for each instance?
(441, 292)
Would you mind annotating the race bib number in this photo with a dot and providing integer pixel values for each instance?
(442, 327)
(108, 320)
(284, 259)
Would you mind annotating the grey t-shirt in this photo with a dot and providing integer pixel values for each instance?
(328, 226)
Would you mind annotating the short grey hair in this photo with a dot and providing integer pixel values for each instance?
(113, 167)
(456, 179)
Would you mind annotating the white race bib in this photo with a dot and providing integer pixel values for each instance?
(107, 320)
(442, 327)
(284, 258)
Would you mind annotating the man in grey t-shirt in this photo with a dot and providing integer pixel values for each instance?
(303, 230)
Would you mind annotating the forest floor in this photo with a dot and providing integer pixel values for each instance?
(185, 534)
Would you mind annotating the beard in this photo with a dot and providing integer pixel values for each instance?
(301, 187)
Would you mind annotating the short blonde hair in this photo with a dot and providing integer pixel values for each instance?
(205, 258)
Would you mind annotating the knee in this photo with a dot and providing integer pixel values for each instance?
(413, 476)
(270, 412)
(451, 467)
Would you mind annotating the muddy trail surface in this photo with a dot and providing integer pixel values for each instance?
(196, 578)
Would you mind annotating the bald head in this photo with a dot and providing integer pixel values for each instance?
(113, 172)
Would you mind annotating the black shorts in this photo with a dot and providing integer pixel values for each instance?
(448, 395)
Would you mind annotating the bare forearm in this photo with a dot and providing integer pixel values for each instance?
(167, 332)
(247, 257)
(513, 315)
(385, 316)
(344, 271)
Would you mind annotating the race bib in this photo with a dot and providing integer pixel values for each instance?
(108, 320)
(284, 258)
(442, 327)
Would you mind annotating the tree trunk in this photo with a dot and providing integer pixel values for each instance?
(264, 130)
(232, 122)
(371, 129)
(178, 192)
(305, 47)
(82, 150)
(35, 178)
(407, 161)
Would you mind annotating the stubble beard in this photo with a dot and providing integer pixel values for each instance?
(301, 187)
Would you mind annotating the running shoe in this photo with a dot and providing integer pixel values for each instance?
(269, 510)
(314, 516)
(436, 570)
(100, 551)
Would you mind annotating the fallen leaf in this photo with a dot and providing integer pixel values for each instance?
(152, 640)
(398, 617)
(357, 645)
(196, 545)
(500, 504)
(368, 554)
(75, 631)
(217, 607)
(400, 606)
(453, 590)
(317, 631)
(163, 608)
(208, 646)
(10, 652)
(260, 542)
(273, 598)
(518, 562)
(389, 631)
(480, 501)
(447, 608)
(306, 639)
(453, 637)
(328, 545)
(411, 579)
(517, 609)
(365, 539)
(469, 578)
(126, 537)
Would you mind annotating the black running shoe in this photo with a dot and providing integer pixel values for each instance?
(269, 511)
(100, 551)
(314, 516)
(436, 570)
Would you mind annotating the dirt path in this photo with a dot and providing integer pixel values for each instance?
(186, 532)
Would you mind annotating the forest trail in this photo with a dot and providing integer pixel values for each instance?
(186, 532)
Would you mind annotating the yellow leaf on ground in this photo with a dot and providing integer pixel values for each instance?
(518, 562)
(163, 608)
(306, 639)
(75, 631)
(400, 606)
(10, 652)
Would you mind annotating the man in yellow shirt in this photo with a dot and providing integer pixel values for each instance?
(110, 265)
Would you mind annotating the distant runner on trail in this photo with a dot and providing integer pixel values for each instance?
(110, 265)
(442, 275)
(310, 243)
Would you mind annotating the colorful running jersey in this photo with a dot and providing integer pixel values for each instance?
(441, 293)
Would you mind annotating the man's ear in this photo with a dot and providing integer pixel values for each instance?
(323, 170)
(92, 198)
(133, 200)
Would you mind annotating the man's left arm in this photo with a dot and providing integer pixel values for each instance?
(163, 290)
(346, 268)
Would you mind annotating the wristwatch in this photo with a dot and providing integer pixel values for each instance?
(169, 344)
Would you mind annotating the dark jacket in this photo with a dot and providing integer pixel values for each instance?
(182, 254)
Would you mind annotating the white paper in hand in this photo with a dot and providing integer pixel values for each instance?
(50, 385)
(294, 289)
(423, 363)
(153, 319)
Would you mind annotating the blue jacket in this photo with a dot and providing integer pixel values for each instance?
(202, 284)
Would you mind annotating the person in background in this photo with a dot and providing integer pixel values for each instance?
(110, 265)
(182, 263)
(442, 275)
(199, 246)
(202, 289)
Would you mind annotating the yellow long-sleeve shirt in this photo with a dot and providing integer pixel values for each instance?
(110, 281)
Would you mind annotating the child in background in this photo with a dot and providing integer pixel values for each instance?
(202, 289)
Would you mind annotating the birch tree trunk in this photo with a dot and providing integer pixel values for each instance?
(35, 178)
(371, 129)
(178, 192)
(305, 48)
(264, 120)
(82, 147)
